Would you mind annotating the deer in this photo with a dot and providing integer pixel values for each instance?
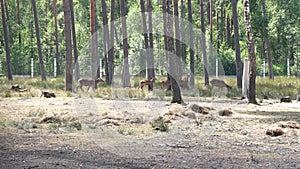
(220, 84)
(183, 81)
(142, 83)
(88, 82)
(165, 83)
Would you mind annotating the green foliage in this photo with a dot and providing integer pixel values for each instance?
(160, 124)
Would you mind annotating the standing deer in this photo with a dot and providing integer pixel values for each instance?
(219, 83)
(88, 82)
(146, 82)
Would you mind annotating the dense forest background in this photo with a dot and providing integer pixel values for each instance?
(276, 21)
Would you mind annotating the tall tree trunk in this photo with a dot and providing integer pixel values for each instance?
(6, 42)
(105, 42)
(19, 20)
(57, 55)
(177, 37)
(210, 29)
(203, 46)
(237, 45)
(95, 60)
(67, 17)
(164, 2)
(251, 52)
(76, 64)
(11, 40)
(192, 64)
(173, 72)
(217, 28)
(151, 46)
(228, 33)
(270, 67)
(38, 40)
(111, 44)
(182, 24)
(125, 73)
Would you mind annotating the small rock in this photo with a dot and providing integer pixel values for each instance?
(286, 99)
(273, 132)
(199, 109)
(189, 114)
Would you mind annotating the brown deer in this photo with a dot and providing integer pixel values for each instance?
(165, 83)
(220, 84)
(146, 82)
(88, 82)
(183, 81)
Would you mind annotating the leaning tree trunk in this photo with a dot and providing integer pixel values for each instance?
(56, 39)
(251, 52)
(125, 73)
(6, 42)
(203, 46)
(237, 45)
(173, 70)
(67, 17)
(76, 64)
(38, 40)
(192, 64)
(270, 70)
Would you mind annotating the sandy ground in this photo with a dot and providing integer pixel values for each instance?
(119, 133)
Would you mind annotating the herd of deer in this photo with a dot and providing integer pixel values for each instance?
(183, 82)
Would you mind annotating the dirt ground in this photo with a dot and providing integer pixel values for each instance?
(122, 133)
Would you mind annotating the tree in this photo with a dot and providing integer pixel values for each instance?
(19, 20)
(111, 43)
(210, 28)
(6, 42)
(251, 52)
(203, 45)
(105, 41)
(177, 36)
(125, 73)
(76, 64)
(267, 39)
(94, 47)
(67, 15)
(151, 46)
(56, 39)
(237, 45)
(146, 42)
(173, 70)
(38, 40)
(11, 40)
(182, 24)
(192, 64)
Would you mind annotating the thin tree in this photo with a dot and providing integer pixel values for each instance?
(105, 41)
(11, 39)
(237, 45)
(192, 64)
(270, 70)
(164, 6)
(94, 45)
(203, 45)
(19, 20)
(182, 24)
(228, 33)
(67, 19)
(173, 72)
(57, 55)
(177, 37)
(38, 40)
(125, 73)
(210, 28)
(6, 42)
(111, 43)
(151, 45)
(75, 50)
(251, 52)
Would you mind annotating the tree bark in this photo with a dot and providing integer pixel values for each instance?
(6, 42)
(237, 45)
(146, 42)
(210, 29)
(173, 72)
(165, 36)
(228, 33)
(125, 73)
(11, 39)
(251, 52)
(270, 67)
(182, 24)
(177, 37)
(151, 46)
(19, 21)
(203, 46)
(67, 15)
(57, 55)
(105, 42)
(192, 59)
(111, 47)
(94, 47)
(38, 40)
(76, 64)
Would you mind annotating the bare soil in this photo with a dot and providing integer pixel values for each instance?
(120, 133)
